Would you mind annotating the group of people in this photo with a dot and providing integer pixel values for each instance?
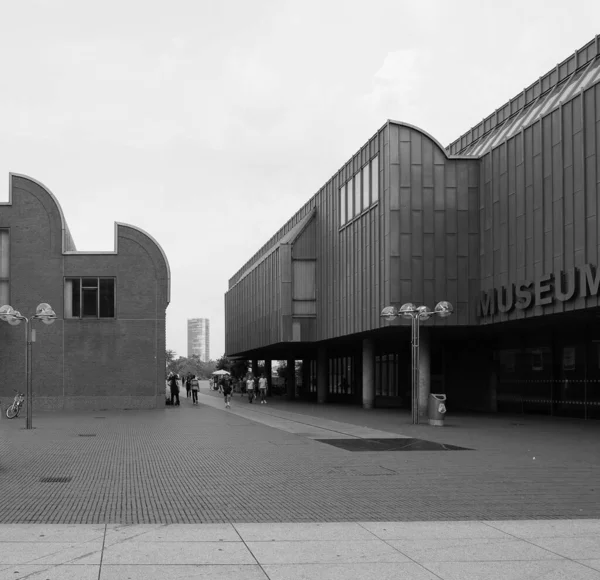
(192, 386)
(226, 385)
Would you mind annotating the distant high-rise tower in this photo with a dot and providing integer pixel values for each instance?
(199, 338)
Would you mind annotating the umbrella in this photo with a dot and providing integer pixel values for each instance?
(221, 372)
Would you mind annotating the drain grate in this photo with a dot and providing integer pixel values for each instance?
(405, 444)
(99, 417)
(87, 434)
(55, 479)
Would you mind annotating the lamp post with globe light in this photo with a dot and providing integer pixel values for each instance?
(442, 309)
(44, 313)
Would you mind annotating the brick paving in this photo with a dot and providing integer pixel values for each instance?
(206, 465)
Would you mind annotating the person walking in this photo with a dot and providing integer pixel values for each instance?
(188, 386)
(262, 389)
(227, 393)
(250, 388)
(173, 383)
(195, 387)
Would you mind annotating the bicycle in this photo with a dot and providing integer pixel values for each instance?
(15, 408)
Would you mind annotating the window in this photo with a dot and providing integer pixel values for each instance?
(357, 194)
(365, 187)
(4, 281)
(350, 199)
(90, 298)
(374, 179)
(343, 205)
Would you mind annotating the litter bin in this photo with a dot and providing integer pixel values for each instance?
(437, 409)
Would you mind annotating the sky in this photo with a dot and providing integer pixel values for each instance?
(209, 124)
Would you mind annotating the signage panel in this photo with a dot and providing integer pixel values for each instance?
(545, 290)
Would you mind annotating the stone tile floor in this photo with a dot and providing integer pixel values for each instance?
(458, 550)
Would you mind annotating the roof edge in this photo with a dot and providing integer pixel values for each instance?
(153, 240)
(431, 137)
(66, 232)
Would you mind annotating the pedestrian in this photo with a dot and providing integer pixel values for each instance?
(262, 389)
(227, 393)
(173, 383)
(188, 386)
(195, 387)
(250, 388)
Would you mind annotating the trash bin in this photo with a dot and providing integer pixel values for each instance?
(437, 409)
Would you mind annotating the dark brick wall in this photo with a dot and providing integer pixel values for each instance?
(82, 363)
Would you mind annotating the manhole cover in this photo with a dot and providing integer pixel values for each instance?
(405, 444)
(55, 479)
(87, 434)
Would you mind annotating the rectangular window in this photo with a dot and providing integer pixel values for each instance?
(90, 298)
(374, 179)
(4, 271)
(342, 205)
(365, 187)
(350, 199)
(357, 194)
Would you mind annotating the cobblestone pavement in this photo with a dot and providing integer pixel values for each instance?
(204, 464)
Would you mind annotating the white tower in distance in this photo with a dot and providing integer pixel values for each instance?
(199, 338)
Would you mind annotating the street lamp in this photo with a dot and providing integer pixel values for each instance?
(44, 313)
(442, 309)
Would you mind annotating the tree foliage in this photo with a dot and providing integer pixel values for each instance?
(189, 365)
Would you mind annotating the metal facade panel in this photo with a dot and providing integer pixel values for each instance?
(305, 246)
(304, 279)
(438, 205)
(555, 207)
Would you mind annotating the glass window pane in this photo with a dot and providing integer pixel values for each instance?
(350, 199)
(3, 292)
(89, 282)
(365, 187)
(90, 302)
(343, 205)
(357, 194)
(374, 179)
(72, 297)
(3, 254)
(107, 297)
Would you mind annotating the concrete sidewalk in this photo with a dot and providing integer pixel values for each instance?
(511, 550)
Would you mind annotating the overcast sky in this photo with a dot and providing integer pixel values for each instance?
(208, 124)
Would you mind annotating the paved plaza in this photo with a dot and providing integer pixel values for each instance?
(293, 490)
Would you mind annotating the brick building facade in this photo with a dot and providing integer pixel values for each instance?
(107, 347)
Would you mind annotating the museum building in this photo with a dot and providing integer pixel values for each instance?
(106, 348)
(503, 223)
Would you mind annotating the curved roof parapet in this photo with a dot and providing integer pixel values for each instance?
(431, 138)
(151, 238)
(68, 244)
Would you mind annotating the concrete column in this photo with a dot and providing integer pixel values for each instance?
(322, 375)
(368, 374)
(424, 371)
(255, 368)
(268, 373)
(305, 377)
(291, 379)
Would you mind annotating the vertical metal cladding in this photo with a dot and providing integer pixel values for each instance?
(433, 234)
(539, 205)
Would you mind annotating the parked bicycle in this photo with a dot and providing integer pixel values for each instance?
(15, 408)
